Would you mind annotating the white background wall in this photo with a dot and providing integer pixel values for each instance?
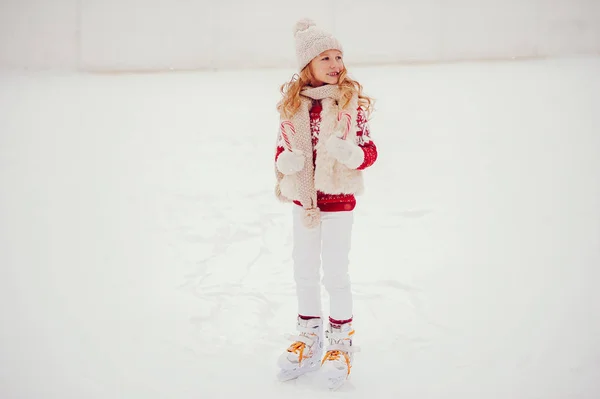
(190, 34)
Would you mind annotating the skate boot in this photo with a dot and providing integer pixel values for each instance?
(337, 362)
(304, 354)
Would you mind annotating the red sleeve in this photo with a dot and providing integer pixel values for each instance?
(363, 135)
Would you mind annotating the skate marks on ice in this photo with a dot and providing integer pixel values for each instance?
(400, 298)
(393, 220)
(415, 213)
(232, 253)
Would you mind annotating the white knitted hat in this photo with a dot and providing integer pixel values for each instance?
(312, 41)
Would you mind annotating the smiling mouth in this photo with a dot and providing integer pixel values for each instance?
(333, 74)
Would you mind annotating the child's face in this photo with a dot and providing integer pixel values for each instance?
(326, 67)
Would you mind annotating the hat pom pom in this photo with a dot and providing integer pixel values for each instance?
(303, 25)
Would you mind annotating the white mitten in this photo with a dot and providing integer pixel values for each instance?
(345, 151)
(290, 162)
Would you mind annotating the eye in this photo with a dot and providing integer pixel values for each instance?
(339, 57)
(325, 58)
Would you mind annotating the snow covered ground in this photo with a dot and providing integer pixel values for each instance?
(143, 255)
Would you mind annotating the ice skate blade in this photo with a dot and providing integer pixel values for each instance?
(287, 375)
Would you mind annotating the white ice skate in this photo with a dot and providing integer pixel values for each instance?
(337, 363)
(304, 354)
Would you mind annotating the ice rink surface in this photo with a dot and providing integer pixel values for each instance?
(144, 255)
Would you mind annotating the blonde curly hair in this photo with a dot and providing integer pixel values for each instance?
(290, 103)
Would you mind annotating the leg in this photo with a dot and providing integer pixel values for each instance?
(307, 265)
(336, 230)
(304, 354)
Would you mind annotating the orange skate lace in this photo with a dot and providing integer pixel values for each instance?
(335, 355)
(298, 348)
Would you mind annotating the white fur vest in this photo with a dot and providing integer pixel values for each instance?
(328, 175)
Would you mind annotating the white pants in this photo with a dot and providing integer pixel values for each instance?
(329, 246)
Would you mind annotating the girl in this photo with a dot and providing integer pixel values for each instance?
(322, 148)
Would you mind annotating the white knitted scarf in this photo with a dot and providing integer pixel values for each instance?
(302, 140)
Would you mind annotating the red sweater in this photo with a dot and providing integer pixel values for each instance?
(328, 202)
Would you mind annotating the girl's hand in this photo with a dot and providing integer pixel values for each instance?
(290, 162)
(345, 151)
